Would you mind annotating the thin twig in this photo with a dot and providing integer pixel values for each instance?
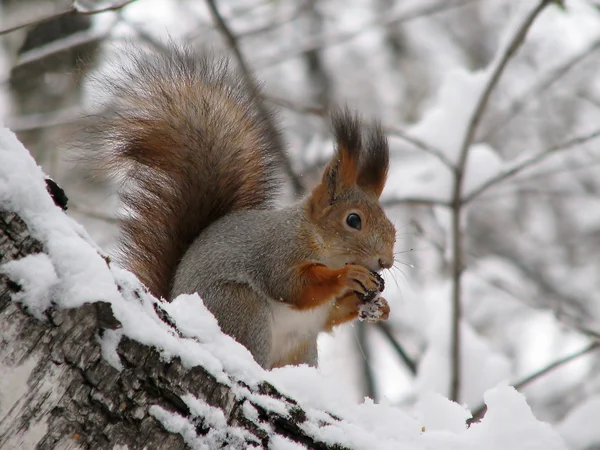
(479, 412)
(45, 120)
(525, 191)
(389, 129)
(547, 81)
(410, 364)
(421, 145)
(369, 378)
(556, 364)
(232, 42)
(342, 37)
(457, 260)
(530, 162)
(97, 215)
(273, 24)
(145, 36)
(417, 201)
(312, 110)
(113, 7)
(60, 45)
(74, 9)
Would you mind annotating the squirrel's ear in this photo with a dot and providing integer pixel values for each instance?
(342, 171)
(374, 162)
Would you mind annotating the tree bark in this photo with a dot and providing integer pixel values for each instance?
(57, 391)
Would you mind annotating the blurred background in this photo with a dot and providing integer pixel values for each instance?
(494, 187)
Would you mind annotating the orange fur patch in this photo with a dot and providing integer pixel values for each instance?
(320, 285)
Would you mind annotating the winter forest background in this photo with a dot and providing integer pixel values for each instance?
(493, 112)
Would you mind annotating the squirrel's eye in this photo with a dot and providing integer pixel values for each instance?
(353, 221)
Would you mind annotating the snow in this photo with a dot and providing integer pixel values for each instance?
(176, 423)
(509, 420)
(580, 428)
(281, 443)
(436, 413)
(371, 310)
(481, 367)
(443, 125)
(108, 345)
(212, 419)
(73, 272)
(36, 276)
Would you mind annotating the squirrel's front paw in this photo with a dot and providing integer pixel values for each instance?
(375, 310)
(362, 281)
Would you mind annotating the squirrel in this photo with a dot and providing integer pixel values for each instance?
(199, 159)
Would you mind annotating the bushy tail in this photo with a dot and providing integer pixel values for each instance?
(191, 145)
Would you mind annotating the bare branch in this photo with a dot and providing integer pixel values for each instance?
(421, 145)
(302, 109)
(44, 120)
(554, 365)
(340, 38)
(114, 7)
(495, 75)
(232, 42)
(74, 9)
(408, 362)
(529, 163)
(417, 201)
(547, 81)
(457, 259)
(60, 45)
(145, 36)
(389, 129)
(363, 348)
(274, 24)
(479, 412)
(93, 214)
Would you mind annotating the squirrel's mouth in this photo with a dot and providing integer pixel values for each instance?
(375, 269)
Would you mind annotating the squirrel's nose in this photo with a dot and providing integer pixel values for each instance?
(385, 263)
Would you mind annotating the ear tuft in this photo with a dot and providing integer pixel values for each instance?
(347, 131)
(374, 161)
(343, 170)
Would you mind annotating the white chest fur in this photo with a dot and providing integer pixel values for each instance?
(291, 327)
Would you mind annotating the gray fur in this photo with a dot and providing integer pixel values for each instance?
(240, 267)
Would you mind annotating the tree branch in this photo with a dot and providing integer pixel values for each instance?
(44, 120)
(469, 136)
(365, 362)
(535, 91)
(389, 129)
(480, 411)
(342, 37)
(75, 9)
(417, 201)
(421, 145)
(407, 360)
(232, 42)
(529, 163)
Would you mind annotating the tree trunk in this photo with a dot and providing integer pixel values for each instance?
(57, 390)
